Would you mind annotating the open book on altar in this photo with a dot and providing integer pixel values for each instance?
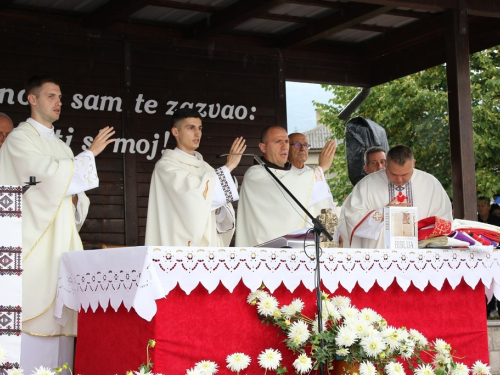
(401, 230)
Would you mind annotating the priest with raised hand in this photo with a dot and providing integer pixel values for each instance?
(53, 213)
(189, 201)
(399, 184)
(265, 211)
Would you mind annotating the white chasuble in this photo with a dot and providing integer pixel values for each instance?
(361, 218)
(266, 212)
(184, 208)
(49, 227)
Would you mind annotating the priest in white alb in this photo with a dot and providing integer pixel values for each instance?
(265, 211)
(189, 201)
(53, 212)
(400, 184)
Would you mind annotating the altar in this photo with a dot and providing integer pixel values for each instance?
(192, 301)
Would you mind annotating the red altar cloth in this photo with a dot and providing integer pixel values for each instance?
(202, 326)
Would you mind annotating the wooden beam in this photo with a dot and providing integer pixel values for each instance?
(112, 12)
(339, 5)
(404, 36)
(484, 8)
(231, 16)
(326, 26)
(185, 6)
(433, 5)
(460, 113)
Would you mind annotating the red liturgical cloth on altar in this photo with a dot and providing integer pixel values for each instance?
(203, 326)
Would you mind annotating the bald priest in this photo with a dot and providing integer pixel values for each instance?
(265, 211)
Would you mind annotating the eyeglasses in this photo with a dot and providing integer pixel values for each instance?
(299, 145)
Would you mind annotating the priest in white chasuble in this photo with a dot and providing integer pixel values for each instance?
(189, 201)
(53, 212)
(400, 184)
(265, 211)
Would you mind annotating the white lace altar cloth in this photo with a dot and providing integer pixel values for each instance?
(138, 276)
(10, 274)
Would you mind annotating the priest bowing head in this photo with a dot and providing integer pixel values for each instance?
(400, 184)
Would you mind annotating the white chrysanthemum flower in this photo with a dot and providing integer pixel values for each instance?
(349, 312)
(345, 336)
(424, 369)
(342, 352)
(15, 371)
(369, 315)
(367, 368)
(392, 337)
(360, 326)
(193, 371)
(267, 305)
(407, 348)
(373, 345)
(43, 371)
(298, 332)
(206, 367)
(341, 301)
(460, 369)
(269, 359)
(143, 372)
(295, 307)
(442, 346)
(442, 360)
(256, 296)
(394, 368)
(418, 337)
(479, 368)
(302, 364)
(330, 310)
(238, 361)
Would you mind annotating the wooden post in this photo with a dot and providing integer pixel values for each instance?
(129, 159)
(460, 113)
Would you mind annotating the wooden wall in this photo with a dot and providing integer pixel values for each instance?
(114, 66)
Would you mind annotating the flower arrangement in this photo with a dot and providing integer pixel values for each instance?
(359, 338)
(362, 339)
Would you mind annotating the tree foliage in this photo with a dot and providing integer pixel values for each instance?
(414, 111)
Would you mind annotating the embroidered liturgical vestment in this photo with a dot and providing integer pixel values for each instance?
(49, 225)
(189, 202)
(361, 220)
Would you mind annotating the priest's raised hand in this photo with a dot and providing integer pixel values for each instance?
(325, 158)
(238, 147)
(102, 140)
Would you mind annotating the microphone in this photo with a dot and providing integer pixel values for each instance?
(257, 159)
(222, 155)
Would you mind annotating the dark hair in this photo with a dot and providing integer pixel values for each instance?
(263, 134)
(36, 82)
(372, 150)
(494, 206)
(184, 113)
(400, 154)
(482, 198)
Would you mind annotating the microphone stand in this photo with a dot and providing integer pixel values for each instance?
(318, 229)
